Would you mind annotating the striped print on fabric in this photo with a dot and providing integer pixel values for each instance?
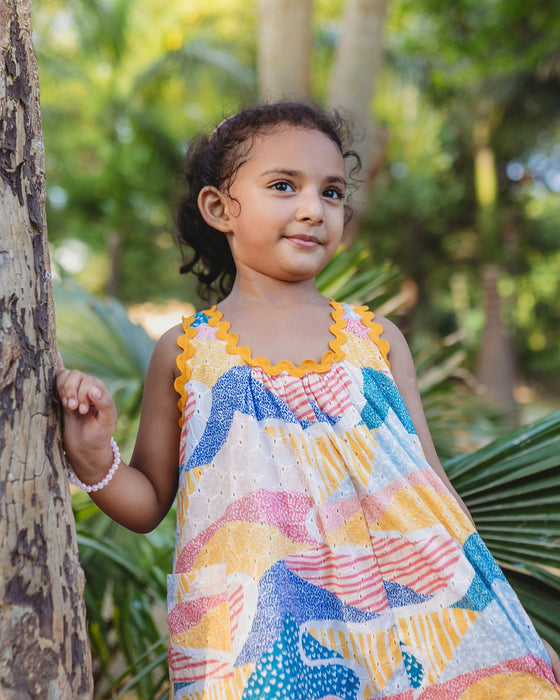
(378, 654)
(426, 565)
(329, 392)
(348, 576)
(437, 635)
(227, 689)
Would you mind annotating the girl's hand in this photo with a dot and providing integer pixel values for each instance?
(90, 418)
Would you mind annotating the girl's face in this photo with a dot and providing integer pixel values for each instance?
(285, 207)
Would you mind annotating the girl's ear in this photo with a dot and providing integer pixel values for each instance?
(213, 208)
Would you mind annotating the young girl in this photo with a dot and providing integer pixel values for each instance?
(321, 551)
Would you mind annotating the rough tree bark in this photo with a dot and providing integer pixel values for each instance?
(43, 642)
(285, 42)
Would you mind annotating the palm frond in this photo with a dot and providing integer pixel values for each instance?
(351, 276)
(459, 420)
(125, 597)
(99, 336)
(99, 339)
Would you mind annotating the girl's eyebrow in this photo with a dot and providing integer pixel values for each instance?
(338, 179)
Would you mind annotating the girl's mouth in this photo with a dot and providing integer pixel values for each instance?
(304, 240)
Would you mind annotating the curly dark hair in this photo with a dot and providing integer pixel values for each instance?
(215, 159)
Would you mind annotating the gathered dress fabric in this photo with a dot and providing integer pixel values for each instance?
(318, 555)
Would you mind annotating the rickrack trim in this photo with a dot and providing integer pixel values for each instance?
(184, 342)
(375, 331)
(334, 354)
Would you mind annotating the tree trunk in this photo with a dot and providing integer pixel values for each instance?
(43, 642)
(496, 361)
(285, 41)
(352, 87)
(496, 357)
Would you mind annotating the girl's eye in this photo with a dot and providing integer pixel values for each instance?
(333, 193)
(282, 186)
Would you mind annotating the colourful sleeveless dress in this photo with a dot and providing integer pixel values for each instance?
(318, 555)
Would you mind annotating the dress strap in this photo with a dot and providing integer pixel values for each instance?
(375, 331)
(184, 342)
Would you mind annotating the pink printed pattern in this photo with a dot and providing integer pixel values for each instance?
(329, 392)
(356, 327)
(348, 576)
(258, 507)
(188, 669)
(189, 660)
(235, 601)
(425, 566)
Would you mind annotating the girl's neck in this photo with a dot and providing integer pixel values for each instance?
(273, 294)
(280, 320)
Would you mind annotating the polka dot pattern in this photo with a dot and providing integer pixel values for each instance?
(283, 672)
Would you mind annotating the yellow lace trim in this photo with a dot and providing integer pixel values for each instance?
(335, 354)
(375, 331)
(184, 342)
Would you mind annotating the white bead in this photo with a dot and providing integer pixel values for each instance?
(106, 479)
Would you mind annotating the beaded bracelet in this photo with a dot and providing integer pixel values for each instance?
(106, 479)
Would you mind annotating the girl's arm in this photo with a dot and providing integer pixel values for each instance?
(554, 660)
(140, 494)
(404, 374)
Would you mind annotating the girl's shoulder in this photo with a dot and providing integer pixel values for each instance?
(167, 349)
(168, 340)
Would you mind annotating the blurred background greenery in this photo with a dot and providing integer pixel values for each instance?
(459, 243)
(466, 92)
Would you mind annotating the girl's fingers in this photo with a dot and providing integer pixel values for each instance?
(80, 392)
(100, 398)
(90, 416)
(67, 383)
(86, 396)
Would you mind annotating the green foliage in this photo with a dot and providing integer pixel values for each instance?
(125, 599)
(99, 339)
(459, 419)
(124, 85)
(352, 277)
(450, 68)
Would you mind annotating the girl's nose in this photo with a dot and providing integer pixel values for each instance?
(310, 207)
